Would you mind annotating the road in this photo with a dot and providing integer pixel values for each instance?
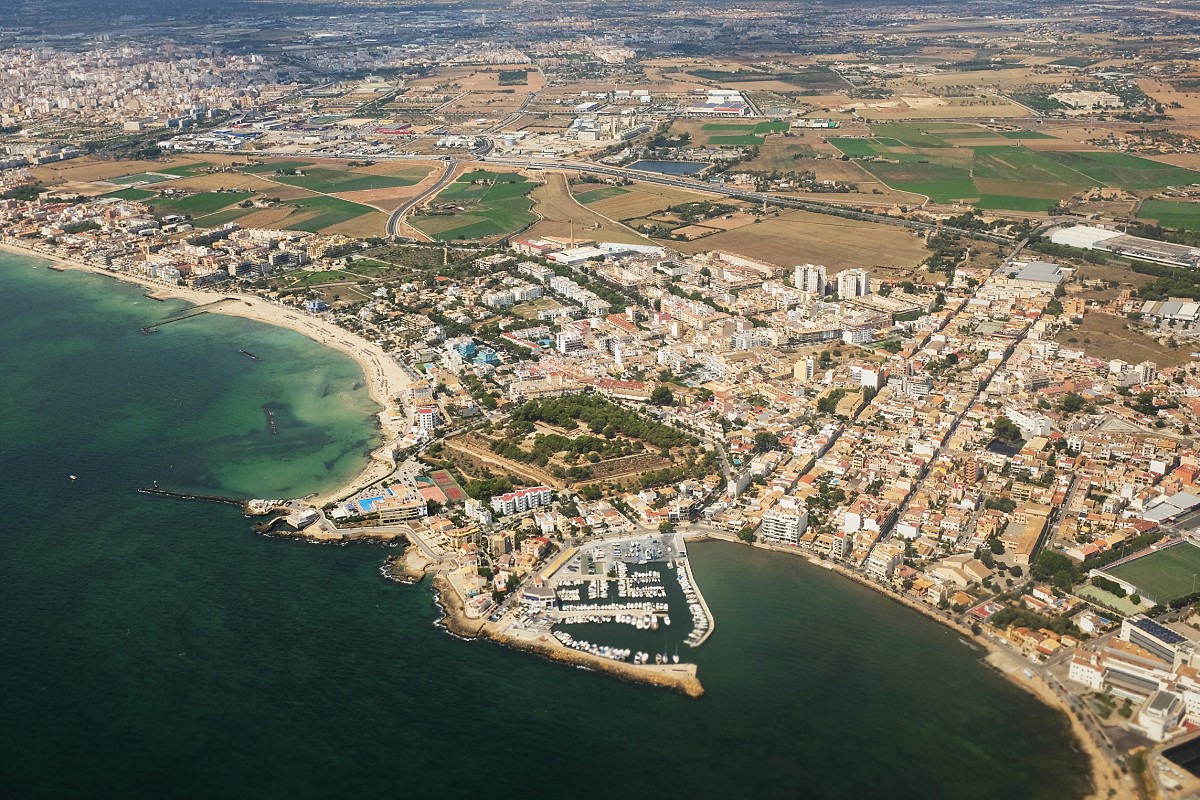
(397, 216)
(672, 181)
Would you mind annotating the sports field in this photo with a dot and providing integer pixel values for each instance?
(1165, 575)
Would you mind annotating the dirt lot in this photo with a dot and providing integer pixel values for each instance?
(642, 199)
(84, 170)
(1107, 336)
(366, 225)
(558, 207)
(796, 237)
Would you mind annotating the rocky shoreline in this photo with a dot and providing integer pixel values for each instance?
(406, 568)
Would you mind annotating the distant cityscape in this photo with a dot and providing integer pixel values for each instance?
(909, 293)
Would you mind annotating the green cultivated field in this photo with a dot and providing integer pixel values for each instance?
(198, 204)
(494, 204)
(221, 217)
(602, 193)
(1165, 575)
(185, 170)
(332, 211)
(1026, 135)
(130, 194)
(957, 162)
(1169, 214)
(332, 181)
(256, 169)
(855, 148)
(1125, 171)
(739, 134)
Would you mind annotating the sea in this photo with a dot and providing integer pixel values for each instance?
(157, 648)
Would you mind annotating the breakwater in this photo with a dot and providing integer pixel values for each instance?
(194, 311)
(205, 498)
(678, 677)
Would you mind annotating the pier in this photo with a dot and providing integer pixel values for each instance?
(195, 311)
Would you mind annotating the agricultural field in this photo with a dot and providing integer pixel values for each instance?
(949, 162)
(197, 205)
(334, 181)
(781, 155)
(643, 199)
(87, 170)
(796, 237)
(220, 218)
(320, 213)
(480, 205)
(185, 170)
(1171, 214)
(561, 215)
(591, 192)
(142, 177)
(727, 134)
(130, 194)
(275, 166)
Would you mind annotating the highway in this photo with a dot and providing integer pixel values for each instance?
(483, 154)
(690, 184)
(395, 218)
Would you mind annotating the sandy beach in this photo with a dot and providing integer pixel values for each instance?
(386, 379)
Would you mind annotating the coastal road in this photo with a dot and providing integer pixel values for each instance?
(397, 216)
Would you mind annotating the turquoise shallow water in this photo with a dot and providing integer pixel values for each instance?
(153, 648)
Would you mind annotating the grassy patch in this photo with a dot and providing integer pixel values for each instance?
(256, 169)
(130, 194)
(1169, 214)
(939, 182)
(1126, 171)
(492, 203)
(198, 204)
(185, 170)
(602, 193)
(855, 148)
(331, 211)
(222, 217)
(332, 181)
(1026, 135)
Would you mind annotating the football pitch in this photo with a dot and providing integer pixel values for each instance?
(1164, 575)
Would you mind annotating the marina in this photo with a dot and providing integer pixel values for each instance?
(629, 599)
